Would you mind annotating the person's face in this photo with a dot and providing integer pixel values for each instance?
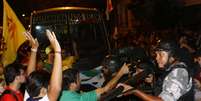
(198, 60)
(22, 76)
(162, 58)
(39, 65)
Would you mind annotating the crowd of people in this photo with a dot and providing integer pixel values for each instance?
(172, 73)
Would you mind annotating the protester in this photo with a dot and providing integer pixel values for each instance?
(39, 87)
(197, 75)
(14, 76)
(71, 84)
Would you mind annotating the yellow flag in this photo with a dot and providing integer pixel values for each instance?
(12, 33)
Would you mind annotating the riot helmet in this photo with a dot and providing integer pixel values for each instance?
(169, 46)
(171, 49)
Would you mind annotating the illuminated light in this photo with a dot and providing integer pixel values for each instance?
(23, 15)
(76, 20)
(38, 27)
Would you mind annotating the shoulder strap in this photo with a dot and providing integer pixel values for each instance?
(34, 99)
(10, 92)
(183, 65)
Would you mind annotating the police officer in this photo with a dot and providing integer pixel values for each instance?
(175, 83)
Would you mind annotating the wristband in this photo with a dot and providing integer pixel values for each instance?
(59, 52)
(34, 49)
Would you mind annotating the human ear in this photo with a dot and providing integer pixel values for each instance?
(43, 91)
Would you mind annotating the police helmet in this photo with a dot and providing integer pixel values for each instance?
(169, 46)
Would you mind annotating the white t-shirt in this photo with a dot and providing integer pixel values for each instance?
(26, 96)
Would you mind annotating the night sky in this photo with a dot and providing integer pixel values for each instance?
(161, 13)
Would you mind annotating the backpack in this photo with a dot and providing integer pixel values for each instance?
(9, 92)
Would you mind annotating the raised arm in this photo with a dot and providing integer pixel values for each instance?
(56, 76)
(138, 93)
(124, 69)
(34, 47)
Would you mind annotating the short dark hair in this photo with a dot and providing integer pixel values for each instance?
(11, 71)
(69, 76)
(36, 81)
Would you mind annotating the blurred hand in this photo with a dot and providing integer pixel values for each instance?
(33, 42)
(126, 87)
(53, 41)
(138, 71)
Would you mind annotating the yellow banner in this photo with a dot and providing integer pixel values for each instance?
(12, 33)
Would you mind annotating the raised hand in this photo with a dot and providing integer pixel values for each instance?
(33, 42)
(56, 76)
(53, 41)
(34, 46)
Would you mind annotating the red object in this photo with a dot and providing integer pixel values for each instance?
(10, 97)
(109, 5)
(108, 9)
